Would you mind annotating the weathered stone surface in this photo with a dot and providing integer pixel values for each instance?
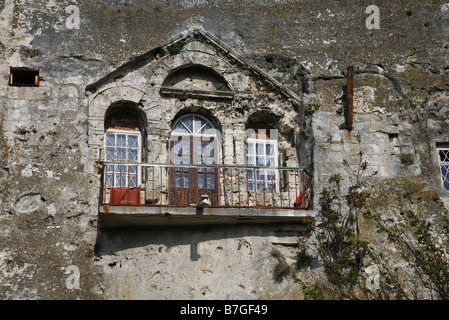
(51, 136)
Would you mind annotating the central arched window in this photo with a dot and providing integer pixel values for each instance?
(194, 143)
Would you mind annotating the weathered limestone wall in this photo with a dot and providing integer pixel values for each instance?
(51, 246)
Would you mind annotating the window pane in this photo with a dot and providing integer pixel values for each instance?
(250, 148)
(200, 180)
(260, 149)
(199, 151)
(110, 154)
(186, 160)
(176, 152)
(208, 152)
(120, 169)
(210, 149)
(251, 174)
(260, 175)
(121, 140)
(132, 154)
(206, 129)
(186, 180)
(260, 162)
(197, 124)
(132, 142)
(121, 154)
(210, 161)
(176, 160)
(110, 140)
(178, 180)
(132, 181)
(210, 181)
(188, 124)
(444, 155)
(445, 176)
(270, 149)
(124, 181)
(185, 146)
(180, 128)
(117, 180)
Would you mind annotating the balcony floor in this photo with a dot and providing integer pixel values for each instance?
(126, 216)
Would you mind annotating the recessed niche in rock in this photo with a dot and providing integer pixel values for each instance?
(196, 78)
(28, 202)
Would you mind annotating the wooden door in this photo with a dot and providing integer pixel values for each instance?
(188, 183)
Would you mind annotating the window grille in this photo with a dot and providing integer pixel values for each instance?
(262, 153)
(122, 146)
(443, 157)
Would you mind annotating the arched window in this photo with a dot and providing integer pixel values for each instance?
(193, 141)
(123, 145)
(261, 150)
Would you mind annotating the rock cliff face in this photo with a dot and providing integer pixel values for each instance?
(286, 62)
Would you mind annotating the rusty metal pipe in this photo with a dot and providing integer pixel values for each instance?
(350, 97)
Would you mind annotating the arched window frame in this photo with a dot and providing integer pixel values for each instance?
(213, 133)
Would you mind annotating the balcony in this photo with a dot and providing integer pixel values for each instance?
(168, 194)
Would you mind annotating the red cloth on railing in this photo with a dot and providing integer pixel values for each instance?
(299, 200)
(125, 195)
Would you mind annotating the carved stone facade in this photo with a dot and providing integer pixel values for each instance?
(90, 176)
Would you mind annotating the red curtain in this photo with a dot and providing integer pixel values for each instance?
(125, 195)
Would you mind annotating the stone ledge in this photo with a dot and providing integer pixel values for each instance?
(201, 94)
(125, 216)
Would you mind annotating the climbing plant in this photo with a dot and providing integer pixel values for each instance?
(335, 238)
(416, 243)
(336, 233)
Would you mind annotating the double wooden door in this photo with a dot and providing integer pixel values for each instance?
(194, 149)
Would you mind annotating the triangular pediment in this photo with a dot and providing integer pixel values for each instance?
(218, 47)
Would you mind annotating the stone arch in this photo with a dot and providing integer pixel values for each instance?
(111, 94)
(107, 98)
(127, 115)
(263, 119)
(192, 56)
(196, 77)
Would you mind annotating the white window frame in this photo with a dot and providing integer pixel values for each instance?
(253, 177)
(112, 169)
(444, 163)
(197, 136)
